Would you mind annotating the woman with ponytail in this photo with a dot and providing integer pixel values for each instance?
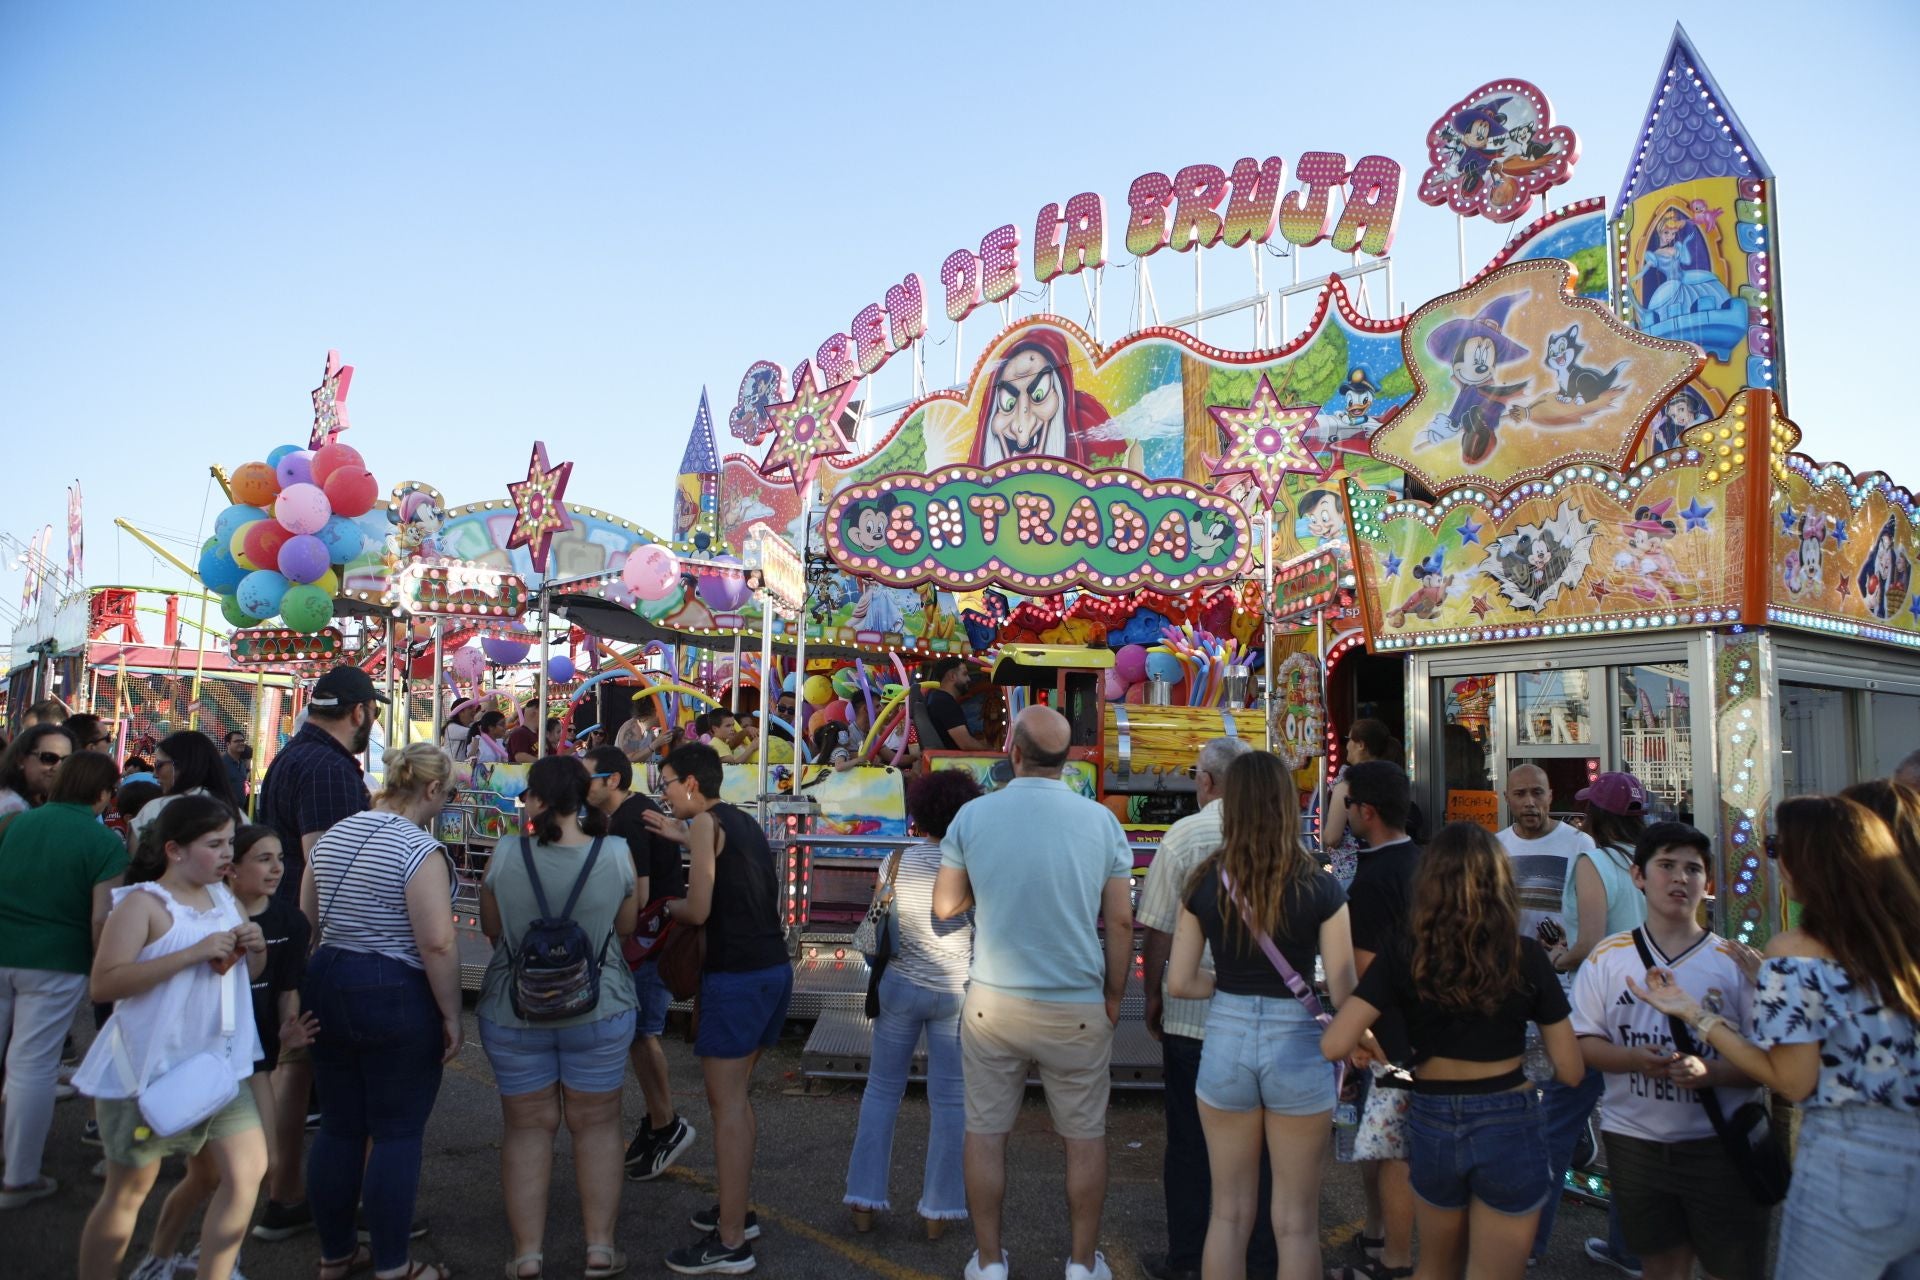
(384, 984)
(557, 1068)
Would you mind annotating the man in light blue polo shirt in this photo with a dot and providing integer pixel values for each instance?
(1041, 866)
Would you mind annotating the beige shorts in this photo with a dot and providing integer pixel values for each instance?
(127, 1141)
(1072, 1044)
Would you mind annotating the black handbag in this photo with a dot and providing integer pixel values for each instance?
(880, 918)
(1757, 1149)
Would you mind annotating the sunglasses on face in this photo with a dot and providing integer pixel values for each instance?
(51, 759)
(1773, 846)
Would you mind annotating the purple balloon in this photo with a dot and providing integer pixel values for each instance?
(504, 652)
(560, 668)
(304, 558)
(295, 468)
(724, 595)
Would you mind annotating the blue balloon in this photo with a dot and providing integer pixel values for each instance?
(343, 539)
(220, 573)
(259, 593)
(233, 519)
(1164, 666)
(273, 459)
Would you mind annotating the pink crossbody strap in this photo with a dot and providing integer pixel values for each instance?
(1295, 983)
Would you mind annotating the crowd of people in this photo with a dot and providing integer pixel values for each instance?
(1487, 992)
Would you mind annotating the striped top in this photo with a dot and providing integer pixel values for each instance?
(930, 953)
(361, 867)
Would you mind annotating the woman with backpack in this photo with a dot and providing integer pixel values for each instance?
(384, 984)
(557, 1008)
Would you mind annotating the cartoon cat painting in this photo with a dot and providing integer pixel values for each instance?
(1576, 383)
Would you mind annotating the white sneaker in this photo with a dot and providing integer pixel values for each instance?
(1099, 1270)
(991, 1271)
(154, 1267)
(189, 1265)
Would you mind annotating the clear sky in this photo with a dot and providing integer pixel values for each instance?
(561, 221)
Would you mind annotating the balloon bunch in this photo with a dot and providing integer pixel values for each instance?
(1197, 660)
(279, 548)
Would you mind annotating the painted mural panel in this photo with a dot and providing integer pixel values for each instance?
(1517, 377)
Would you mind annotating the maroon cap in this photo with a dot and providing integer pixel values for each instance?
(1620, 793)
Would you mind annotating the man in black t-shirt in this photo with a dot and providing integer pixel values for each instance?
(1379, 907)
(943, 706)
(656, 861)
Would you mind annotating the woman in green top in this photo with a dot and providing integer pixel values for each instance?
(58, 869)
(575, 1066)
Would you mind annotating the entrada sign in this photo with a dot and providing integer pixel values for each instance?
(1038, 525)
(1200, 206)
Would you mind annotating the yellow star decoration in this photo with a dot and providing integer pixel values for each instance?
(806, 429)
(1263, 441)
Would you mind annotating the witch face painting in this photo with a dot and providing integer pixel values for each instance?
(1031, 408)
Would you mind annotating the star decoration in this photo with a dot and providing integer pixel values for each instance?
(1696, 515)
(1263, 441)
(538, 512)
(1787, 518)
(806, 429)
(1393, 562)
(1599, 592)
(1469, 531)
(1913, 607)
(1843, 586)
(1840, 533)
(330, 402)
(1480, 607)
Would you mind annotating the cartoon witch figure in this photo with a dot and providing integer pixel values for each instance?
(1886, 574)
(418, 519)
(1647, 562)
(1475, 349)
(1482, 134)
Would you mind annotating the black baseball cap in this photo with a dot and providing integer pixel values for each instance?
(344, 687)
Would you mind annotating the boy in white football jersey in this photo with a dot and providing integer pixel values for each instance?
(1680, 1195)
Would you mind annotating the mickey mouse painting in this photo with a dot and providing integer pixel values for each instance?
(865, 524)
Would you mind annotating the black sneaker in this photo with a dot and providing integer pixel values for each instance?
(663, 1147)
(708, 1220)
(313, 1122)
(642, 1142)
(90, 1133)
(283, 1221)
(710, 1257)
(414, 1232)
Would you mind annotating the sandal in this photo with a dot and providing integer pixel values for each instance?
(616, 1261)
(514, 1265)
(362, 1260)
(1369, 1246)
(1371, 1269)
(418, 1271)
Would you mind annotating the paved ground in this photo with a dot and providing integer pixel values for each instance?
(805, 1134)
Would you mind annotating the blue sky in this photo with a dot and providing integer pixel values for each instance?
(562, 226)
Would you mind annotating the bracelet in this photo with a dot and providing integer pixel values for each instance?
(1708, 1021)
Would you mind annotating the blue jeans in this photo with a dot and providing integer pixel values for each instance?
(905, 1009)
(1853, 1210)
(1565, 1110)
(376, 1064)
(1187, 1175)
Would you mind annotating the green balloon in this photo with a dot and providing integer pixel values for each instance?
(306, 608)
(231, 610)
(654, 610)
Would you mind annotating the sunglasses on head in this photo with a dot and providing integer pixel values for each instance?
(51, 759)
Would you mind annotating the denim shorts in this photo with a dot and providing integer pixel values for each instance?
(742, 1013)
(1263, 1053)
(654, 999)
(1490, 1147)
(590, 1057)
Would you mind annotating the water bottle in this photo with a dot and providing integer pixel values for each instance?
(1346, 1126)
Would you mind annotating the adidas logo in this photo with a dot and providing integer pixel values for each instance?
(1626, 997)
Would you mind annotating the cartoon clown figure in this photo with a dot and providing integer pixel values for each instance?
(1474, 349)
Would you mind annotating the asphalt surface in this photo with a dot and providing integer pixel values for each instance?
(805, 1135)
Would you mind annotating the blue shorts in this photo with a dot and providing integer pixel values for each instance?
(1490, 1147)
(588, 1058)
(741, 1013)
(1263, 1053)
(654, 999)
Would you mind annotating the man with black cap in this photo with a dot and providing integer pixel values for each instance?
(314, 782)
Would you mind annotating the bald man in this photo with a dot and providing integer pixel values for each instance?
(1040, 864)
(1542, 848)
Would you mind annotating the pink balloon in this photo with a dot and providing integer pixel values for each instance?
(469, 663)
(651, 572)
(838, 710)
(302, 508)
(1130, 663)
(1114, 687)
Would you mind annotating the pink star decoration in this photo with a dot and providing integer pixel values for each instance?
(1263, 441)
(538, 511)
(806, 429)
(330, 402)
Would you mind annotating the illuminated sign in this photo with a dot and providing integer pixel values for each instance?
(458, 588)
(266, 646)
(1198, 207)
(783, 575)
(1039, 525)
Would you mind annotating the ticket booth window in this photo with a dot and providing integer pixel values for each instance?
(1817, 740)
(1654, 718)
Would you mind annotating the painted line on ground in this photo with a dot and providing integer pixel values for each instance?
(856, 1253)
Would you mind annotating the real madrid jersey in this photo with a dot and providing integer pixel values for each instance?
(1659, 1110)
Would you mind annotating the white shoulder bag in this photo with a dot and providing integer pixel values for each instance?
(191, 1092)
